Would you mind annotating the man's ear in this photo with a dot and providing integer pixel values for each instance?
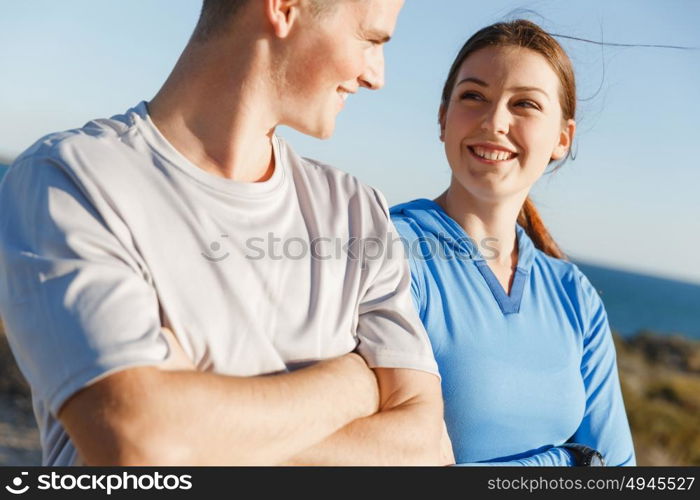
(441, 120)
(566, 138)
(282, 14)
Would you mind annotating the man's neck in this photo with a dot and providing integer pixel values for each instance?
(214, 110)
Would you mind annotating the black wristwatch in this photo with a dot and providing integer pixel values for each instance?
(584, 456)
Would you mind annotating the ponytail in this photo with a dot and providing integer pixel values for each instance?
(529, 219)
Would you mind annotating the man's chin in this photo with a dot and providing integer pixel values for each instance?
(323, 132)
(327, 134)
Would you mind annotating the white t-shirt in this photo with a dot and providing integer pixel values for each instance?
(107, 232)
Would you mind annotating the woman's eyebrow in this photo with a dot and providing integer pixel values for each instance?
(473, 79)
(530, 89)
(478, 81)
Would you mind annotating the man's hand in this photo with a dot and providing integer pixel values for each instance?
(366, 381)
(408, 429)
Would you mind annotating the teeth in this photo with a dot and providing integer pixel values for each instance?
(343, 95)
(492, 154)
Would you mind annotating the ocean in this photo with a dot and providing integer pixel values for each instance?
(637, 302)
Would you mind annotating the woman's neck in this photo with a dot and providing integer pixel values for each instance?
(490, 224)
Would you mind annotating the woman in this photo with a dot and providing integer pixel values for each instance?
(520, 335)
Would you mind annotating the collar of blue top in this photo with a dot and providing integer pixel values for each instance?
(460, 240)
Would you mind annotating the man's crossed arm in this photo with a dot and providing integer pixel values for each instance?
(331, 413)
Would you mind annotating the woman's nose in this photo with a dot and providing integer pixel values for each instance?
(496, 120)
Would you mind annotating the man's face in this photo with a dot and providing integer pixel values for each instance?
(331, 57)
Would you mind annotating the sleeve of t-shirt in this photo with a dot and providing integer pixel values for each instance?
(604, 426)
(390, 333)
(75, 302)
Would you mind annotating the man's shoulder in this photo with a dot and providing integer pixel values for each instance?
(45, 161)
(335, 176)
(98, 138)
(341, 186)
(97, 134)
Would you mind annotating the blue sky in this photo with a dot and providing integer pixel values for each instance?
(629, 199)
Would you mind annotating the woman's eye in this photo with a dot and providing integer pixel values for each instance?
(528, 104)
(470, 96)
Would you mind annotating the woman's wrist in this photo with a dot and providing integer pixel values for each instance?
(584, 456)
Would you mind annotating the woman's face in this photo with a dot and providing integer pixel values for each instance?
(503, 123)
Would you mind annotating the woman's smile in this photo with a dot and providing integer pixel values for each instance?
(491, 155)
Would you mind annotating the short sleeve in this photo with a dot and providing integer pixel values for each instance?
(390, 332)
(604, 426)
(75, 304)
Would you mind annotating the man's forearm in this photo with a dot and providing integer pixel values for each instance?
(186, 417)
(409, 432)
(398, 436)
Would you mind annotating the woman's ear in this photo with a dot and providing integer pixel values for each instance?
(282, 14)
(441, 120)
(566, 138)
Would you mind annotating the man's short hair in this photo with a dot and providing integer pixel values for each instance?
(216, 15)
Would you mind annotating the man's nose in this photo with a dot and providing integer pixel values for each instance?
(373, 76)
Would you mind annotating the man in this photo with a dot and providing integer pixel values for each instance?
(118, 233)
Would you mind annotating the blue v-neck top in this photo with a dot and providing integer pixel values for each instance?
(522, 373)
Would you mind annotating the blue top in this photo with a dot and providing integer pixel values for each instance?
(521, 373)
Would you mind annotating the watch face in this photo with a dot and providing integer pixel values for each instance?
(596, 460)
(584, 455)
